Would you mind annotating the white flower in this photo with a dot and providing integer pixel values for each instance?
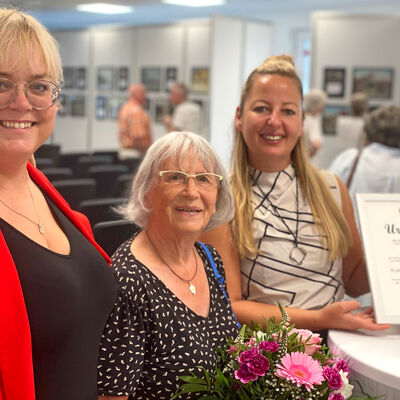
(260, 335)
(346, 390)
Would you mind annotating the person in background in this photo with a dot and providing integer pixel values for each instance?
(56, 288)
(349, 128)
(187, 115)
(171, 313)
(134, 126)
(376, 167)
(314, 103)
(293, 239)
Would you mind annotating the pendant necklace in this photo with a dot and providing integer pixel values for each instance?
(38, 223)
(192, 288)
(297, 254)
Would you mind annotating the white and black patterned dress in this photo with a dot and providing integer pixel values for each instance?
(272, 276)
(152, 338)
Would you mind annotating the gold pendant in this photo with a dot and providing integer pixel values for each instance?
(297, 255)
(192, 288)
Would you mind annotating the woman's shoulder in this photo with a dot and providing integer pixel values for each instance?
(127, 269)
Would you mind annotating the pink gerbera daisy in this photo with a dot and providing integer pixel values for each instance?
(300, 369)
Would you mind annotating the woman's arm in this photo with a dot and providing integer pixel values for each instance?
(337, 315)
(355, 277)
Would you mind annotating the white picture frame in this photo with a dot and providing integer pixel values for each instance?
(379, 219)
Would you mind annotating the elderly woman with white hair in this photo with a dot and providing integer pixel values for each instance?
(171, 312)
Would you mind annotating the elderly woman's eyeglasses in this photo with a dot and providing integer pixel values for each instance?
(205, 180)
(41, 93)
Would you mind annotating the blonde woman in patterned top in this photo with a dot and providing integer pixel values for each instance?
(293, 237)
(171, 312)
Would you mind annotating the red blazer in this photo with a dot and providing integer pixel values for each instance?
(16, 370)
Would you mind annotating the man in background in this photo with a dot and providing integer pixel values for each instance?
(187, 115)
(134, 127)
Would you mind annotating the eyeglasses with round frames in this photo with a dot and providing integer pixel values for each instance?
(40, 93)
(204, 180)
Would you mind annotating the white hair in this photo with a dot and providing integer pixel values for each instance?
(176, 145)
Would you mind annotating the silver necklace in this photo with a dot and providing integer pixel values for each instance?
(39, 225)
(297, 254)
(192, 288)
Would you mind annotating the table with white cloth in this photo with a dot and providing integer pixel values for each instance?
(373, 358)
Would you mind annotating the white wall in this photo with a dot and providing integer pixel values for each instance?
(238, 47)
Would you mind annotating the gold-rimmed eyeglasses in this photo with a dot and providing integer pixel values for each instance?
(40, 93)
(204, 180)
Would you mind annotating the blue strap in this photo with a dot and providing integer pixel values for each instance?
(219, 278)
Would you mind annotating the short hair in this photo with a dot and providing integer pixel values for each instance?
(176, 145)
(359, 103)
(182, 88)
(383, 126)
(314, 100)
(21, 31)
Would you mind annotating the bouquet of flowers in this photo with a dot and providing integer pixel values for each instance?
(273, 362)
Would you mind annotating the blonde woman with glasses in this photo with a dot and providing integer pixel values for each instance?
(56, 288)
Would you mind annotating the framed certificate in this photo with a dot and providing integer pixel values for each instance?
(379, 217)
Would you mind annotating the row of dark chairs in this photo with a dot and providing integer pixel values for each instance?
(94, 184)
(111, 234)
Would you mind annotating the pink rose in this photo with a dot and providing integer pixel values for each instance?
(313, 344)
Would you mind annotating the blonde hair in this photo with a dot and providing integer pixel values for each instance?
(328, 217)
(21, 32)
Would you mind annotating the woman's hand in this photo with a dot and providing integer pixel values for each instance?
(344, 315)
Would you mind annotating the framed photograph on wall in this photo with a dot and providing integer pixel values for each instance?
(334, 82)
(68, 73)
(329, 115)
(376, 83)
(105, 77)
(171, 76)
(151, 78)
(77, 105)
(122, 78)
(80, 78)
(101, 107)
(114, 105)
(200, 79)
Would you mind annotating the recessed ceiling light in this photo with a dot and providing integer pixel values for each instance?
(196, 3)
(104, 8)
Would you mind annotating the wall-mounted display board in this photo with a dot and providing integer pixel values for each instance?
(377, 83)
(334, 82)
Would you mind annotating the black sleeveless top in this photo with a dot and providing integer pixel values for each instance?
(68, 299)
